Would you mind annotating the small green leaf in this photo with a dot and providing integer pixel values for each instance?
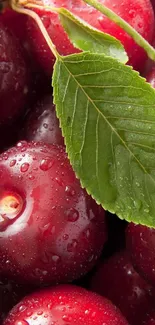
(87, 38)
(124, 25)
(107, 115)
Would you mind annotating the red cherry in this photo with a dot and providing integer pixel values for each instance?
(64, 305)
(50, 230)
(139, 14)
(117, 280)
(14, 80)
(42, 123)
(140, 241)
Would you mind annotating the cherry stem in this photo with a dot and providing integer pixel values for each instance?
(39, 6)
(125, 26)
(40, 25)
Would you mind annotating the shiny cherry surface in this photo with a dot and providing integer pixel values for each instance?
(117, 280)
(51, 231)
(140, 241)
(42, 124)
(63, 305)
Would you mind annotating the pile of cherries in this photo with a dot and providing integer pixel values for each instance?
(63, 259)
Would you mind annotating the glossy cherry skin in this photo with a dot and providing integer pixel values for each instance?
(13, 20)
(117, 280)
(140, 242)
(42, 124)
(63, 305)
(51, 231)
(14, 76)
(139, 14)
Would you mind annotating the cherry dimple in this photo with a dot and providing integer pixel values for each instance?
(11, 205)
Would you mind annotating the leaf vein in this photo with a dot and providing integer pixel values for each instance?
(104, 117)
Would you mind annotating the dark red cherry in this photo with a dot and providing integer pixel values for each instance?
(65, 305)
(14, 79)
(137, 13)
(42, 123)
(140, 241)
(50, 229)
(117, 280)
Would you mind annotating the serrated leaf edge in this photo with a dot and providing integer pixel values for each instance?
(105, 207)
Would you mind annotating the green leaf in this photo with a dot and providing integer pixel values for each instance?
(107, 115)
(87, 38)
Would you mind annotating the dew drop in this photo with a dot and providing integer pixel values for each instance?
(21, 144)
(59, 181)
(29, 313)
(55, 258)
(87, 312)
(24, 167)
(91, 258)
(21, 322)
(5, 156)
(91, 215)
(23, 149)
(65, 236)
(72, 215)
(137, 204)
(40, 312)
(39, 273)
(12, 162)
(53, 230)
(46, 164)
(49, 306)
(72, 245)
(66, 318)
(88, 233)
(45, 125)
(69, 190)
(31, 177)
(45, 316)
(22, 308)
(5, 67)
(132, 13)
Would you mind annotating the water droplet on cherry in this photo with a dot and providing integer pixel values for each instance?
(24, 167)
(46, 164)
(72, 245)
(12, 163)
(70, 191)
(72, 214)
